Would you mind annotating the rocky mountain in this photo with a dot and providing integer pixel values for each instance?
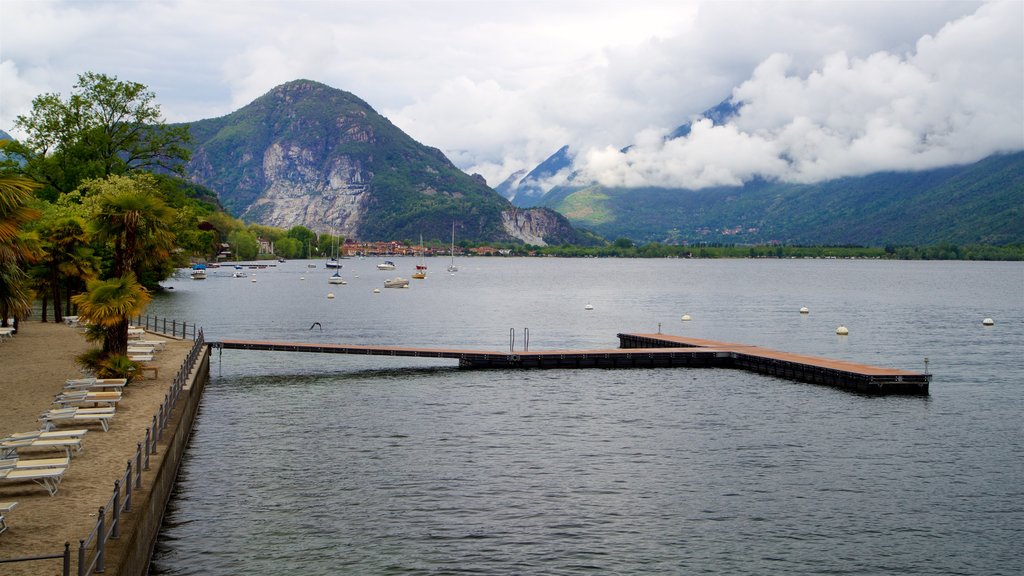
(311, 155)
(529, 190)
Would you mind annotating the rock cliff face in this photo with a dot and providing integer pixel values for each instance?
(299, 189)
(307, 154)
(537, 226)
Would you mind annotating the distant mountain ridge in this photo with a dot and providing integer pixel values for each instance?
(981, 203)
(308, 154)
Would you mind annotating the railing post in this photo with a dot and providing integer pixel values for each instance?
(128, 488)
(116, 516)
(165, 326)
(101, 540)
(174, 327)
(138, 463)
(152, 437)
(81, 558)
(66, 569)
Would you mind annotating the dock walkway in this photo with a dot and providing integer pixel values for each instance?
(645, 351)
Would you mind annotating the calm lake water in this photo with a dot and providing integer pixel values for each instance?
(321, 464)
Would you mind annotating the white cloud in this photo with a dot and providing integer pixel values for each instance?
(956, 98)
(499, 85)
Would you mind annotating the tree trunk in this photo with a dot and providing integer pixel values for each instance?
(46, 302)
(58, 316)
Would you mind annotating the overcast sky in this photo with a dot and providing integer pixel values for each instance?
(828, 89)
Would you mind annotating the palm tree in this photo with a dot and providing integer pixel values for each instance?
(16, 249)
(67, 258)
(131, 214)
(111, 304)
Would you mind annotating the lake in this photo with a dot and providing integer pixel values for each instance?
(329, 464)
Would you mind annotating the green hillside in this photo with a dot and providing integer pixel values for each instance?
(981, 203)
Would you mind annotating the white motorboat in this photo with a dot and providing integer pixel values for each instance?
(396, 283)
(386, 265)
(336, 278)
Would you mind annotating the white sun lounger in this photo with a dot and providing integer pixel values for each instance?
(69, 445)
(140, 357)
(48, 478)
(30, 463)
(88, 397)
(136, 349)
(78, 416)
(5, 508)
(158, 344)
(95, 383)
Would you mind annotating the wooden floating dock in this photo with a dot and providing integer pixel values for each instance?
(646, 351)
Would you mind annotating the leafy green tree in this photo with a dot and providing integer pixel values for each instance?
(111, 304)
(106, 127)
(288, 248)
(306, 238)
(244, 244)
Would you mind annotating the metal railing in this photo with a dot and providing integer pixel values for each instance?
(169, 326)
(92, 548)
(65, 556)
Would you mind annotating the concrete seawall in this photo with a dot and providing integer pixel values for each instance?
(131, 553)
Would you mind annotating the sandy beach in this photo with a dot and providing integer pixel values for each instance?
(35, 363)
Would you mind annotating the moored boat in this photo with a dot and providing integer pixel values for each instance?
(396, 283)
(386, 265)
(198, 272)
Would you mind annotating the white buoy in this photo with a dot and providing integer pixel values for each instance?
(588, 307)
(842, 331)
(302, 277)
(988, 322)
(686, 318)
(804, 310)
(253, 280)
(376, 290)
(330, 295)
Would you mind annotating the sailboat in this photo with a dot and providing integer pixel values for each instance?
(452, 267)
(333, 261)
(421, 268)
(336, 264)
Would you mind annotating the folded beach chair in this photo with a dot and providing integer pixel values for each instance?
(5, 508)
(48, 478)
(77, 416)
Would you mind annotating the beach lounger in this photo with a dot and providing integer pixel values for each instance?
(6, 332)
(78, 416)
(136, 333)
(95, 383)
(70, 445)
(46, 434)
(140, 357)
(79, 397)
(158, 344)
(48, 478)
(135, 349)
(30, 463)
(5, 509)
